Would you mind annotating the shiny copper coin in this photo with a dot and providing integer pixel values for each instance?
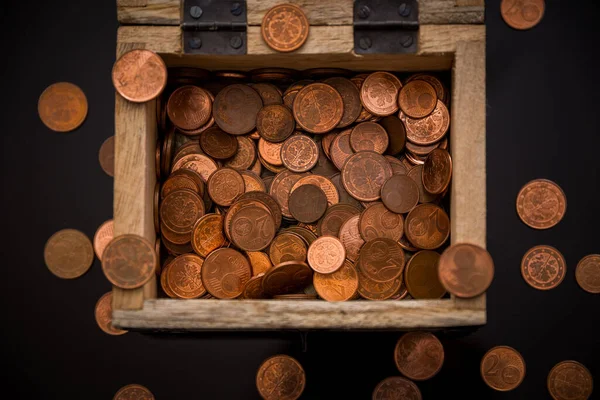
(184, 276)
(106, 156)
(364, 174)
(419, 355)
(398, 168)
(225, 185)
(326, 255)
(427, 226)
(466, 270)
(287, 247)
(68, 254)
(369, 136)
(275, 123)
(340, 149)
(280, 377)
(333, 219)
(299, 153)
(345, 197)
(189, 107)
(321, 182)
(428, 130)
(252, 182)
(287, 277)
(377, 291)
(351, 238)
(63, 107)
(104, 234)
(180, 210)
(543, 267)
(269, 201)
(103, 315)
(522, 14)
(318, 108)
(225, 273)
(199, 163)
(268, 92)
(421, 276)
(396, 388)
(134, 392)
(416, 174)
(570, 380)
(437, 171)
(129, 261)
(308, 203)
(541, 204)
(502, 368)
(139, 75)
(417, 99)
(235, 109)
(341, 285)
(218, 144)
(587, 273)
(285, 28)
(270, 152)
(207, 234)
(379, 222)
(253, 227)
(440, 90)
(253, 288)
(379, 93)
(350, 98)
(400, 194)
(281, 187)
(259, 261)
(381, 260)
(245, 157)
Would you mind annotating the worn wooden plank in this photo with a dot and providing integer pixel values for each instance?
(443, 12)
(149, 12)
(161, 39)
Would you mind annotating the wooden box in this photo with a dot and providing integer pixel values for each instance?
(451, 38)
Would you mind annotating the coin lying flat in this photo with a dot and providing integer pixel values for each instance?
(379, 93)
(275, 123)
(543, 267)
(421, 276)
(218, 144)
(341, 285)
(587, 273)
(252, 227)
(503, 368)
(134, 392)
(129, 261)
(428, 130)
(334, 218)
(417, 99)
(103, 315)
(299, 153)
(246, 154)
(369, 136)
(225, 185)
(287, 247)
(519, 14)
(570, 380)
(466, 270)
(225, 273)
(326, 255)
(350, 97)
(189, 107)
(63, 107)
(396, 388)
(285, 28)
(427, 226)
(68, 254)
(541, 204)
(377, 221)
(419, 355)
(381, 260)
(269, 93)
(139, 75)
(184, 276)
(235, 109)
(318, 108)
(280, 377)
(400, 194)
(364, 174)
(308, 203)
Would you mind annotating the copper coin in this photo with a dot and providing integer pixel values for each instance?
(104, 234)
(379, 93)
(280, 377)
(396, 388)
(129, 261)
(305, 234)
(155, 207)
(369, 136)
(543, 267)
(63, 107)
(268, 181)
(259, 261)
(427, 226)
(253, 288)
(233, 210)
(333, 219)
(245, 157)
(502, 368)
(103, 315)
(218, 144)
(199, 163)
(381, 260)
(466, 270)
(268, 92)
(541, 204)
(281, 187)
(176, 249)
(287, 247)
(274, 74)
(275, 123)
(321, 182)
(189, 107)
(400, 194)
(257, 169)
(253, 228)
(164, 283)
(191, 147)
(289, 97)
(424, 151)
(345, 197)
(340, 149)
(364, 174)
(372, 290)
(417, 99)
(178, 181)
(225, 273)
(440, 90)
(350, 98)
(379, 222)
(416, 174)
(252, 182)
(414, 159)
(184, 277)
(68, 254)
(570, 380)
(326, 142)
(351, 238)
(437, 171)
(270, 151)
(207, 234)
(326, 255)
(587, 273)
(308, 203)
(285, 28)
(421, 276)
(428, 130)
(235, 109)
(225, 185)
(269, 201)
(205, 126)
(396, 133)
(287, 277)
(180, 210)
(324, 166)
(341, 285)
(398, 168)
(299, 153)
(166, 155)
(419, 355)
(406, 244)
(139, 75)
(402, 293)
(134, 392)
(106, 156)
(318, 108)
(522, 14)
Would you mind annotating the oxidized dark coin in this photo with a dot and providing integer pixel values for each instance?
(427, 226)
(437, 171)
(321, 182)
(419, 355)
(189, 107)
(281, 187)
(218, 144)
(275, 123)
(308, 203)
(350, 97)
(235, 109)
(398, 168)
(134, 392)
(400, 194)
(369, 136)
(106, 155)
(396, 133)
(466, 270)
(364, 174)
(344, 195)
(318, 108)
(299, 153)
(381, 260)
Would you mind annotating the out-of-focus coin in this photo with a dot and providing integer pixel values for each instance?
(287, 277)
(587, 273)
(235, 109)
(326, 255)
(180, 210)
(419, 355)
(416, 174)
(364, 174)
(372, 290)
(379, 222)
(402, 293)
(381, 260)
(318, 108)
(245, 157)
(280, 377)
(396, 133)
(428, 130)
(207, 234)
(379, 93)
(421, 276)
(268, 92)
(259, 261)
(466, 270)
(414, 159)
(295, 296)
(340, 149)
(398, 168)
(502, 368)
(541, 204)
(522, 15)
(129, 261)
(269, 201)
(180, 180)
(253, 288)
(164, 283)
(281, 187)
(305, 234)
(400, 194)
(106, 156)
(184, 276)
(253, 227)
(437, 171)
(299, 153)
(225, 185)
(68, 254)
(396, 387)
(570, 380)
(225, 273)
(103, 315)
(440, 90)
(351, 238)
(285, 28)
(63, 107)
(417, 99)
(274, 74)
(341, 285)
(427, 226)
(199, 163)
(333, 219)
(543, 267)
(369, 136)
(218, 144)
(134, 392)
(139, 75)
(189, 107)
(104, 234)
(308, 203)
(287, 247)
(326, 142)
(345, 197)
(350, 97)
(321, 182)
(424, 151)
(270, 152)
(406, 244)
(252, 182)
(176, 249)
(275, 123)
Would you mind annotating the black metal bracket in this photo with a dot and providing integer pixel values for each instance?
(386, 26)
(214, 27)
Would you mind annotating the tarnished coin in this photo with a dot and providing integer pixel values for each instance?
(379, 222)
(180, 210)
(235, 109)
(398, 168)
(299, 153)
(326, 255)
(340, 149)
(396, 134)
(225, 185)
(245, 157)
(543, 267)
(184, 276)
(364, 174)
(440, 90)
(207, 234)
(269, 201)
(199, 163)
(134, 392)
(428, 130)
(68, 254)
(164, 283)
(333, 219)
(350, 98)
(287, 277)
(381, 260)
(414, 159)
(522, 14)
(106, 156)
(252, 182)
(259, 261)
(466, 270)
(181, 179)
(321, 182)
(103, 315)
(287, 247)
(218, 144)
(280, 378)
(252, 227)
(63, 107)
(268, 92)
(502, 368)
(345, 197)
(129, 261)
(225, 273)
(379, 93)
(270, 152)
(139, 75)
(326, 142)
(396, 388)
(369, 136)
(351, 238)
(341, 285)
(275, 123)
(281, 187)
(285, 28)
(423, 151)
(104, 234)
(400, 194)
(421, 276)
(437, 171)
(417, 99)
(318, 108)
(307, 204)
(541, 204)
(372, 290)
(253, 288)
(419, 355)
(587, 273)
(427, 226)
(189, 107)
(416, 174)
(570, 380)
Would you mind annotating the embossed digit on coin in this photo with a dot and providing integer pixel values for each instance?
(275, 123)
(184, 276)
(419, 355)
(364, 174)
(503, 368)
(570, 380)
(326, 255)
(400, 194)
(63, 107)
(543, 267)
(269, 201)
(134, 392)
(396, 387)
(287, 277)
(139, 75)
(103, 315)
(189, 107)
(287, 247)
(428, 130)
(285, 28)
(541, 204)
(308, 203)
(417, 99)
(225, 273)
(129, 261)
(587, 273)
(225, 185)
(253, 227)
(68, 254)
(437, 171)
(522, 14)
(341, 285)
(351, 238)
(381, 260)
(466, 270)
(235, 109)
(377, 221)
(421, 276)
(104, 234)
(427, 226)
(318, 108)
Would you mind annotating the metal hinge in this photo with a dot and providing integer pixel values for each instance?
(214, 27)
(386, 26)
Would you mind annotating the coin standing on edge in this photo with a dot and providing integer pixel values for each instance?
(522, 15)
(466, 270)
(103, 315)
(68, 254)
(106, 156)
(437, 171)
(541, 204)
(139, 75)
(502, 368)
(285, 28)
(134, 392)
(129, 261)
(280, 377)
(419, 355)
(587, 273)
(570, 380)
(63, 107)
(543, 267)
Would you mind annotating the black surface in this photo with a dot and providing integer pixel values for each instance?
(542, 122)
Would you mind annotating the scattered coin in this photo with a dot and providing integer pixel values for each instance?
(541, 204)
(280, 377)
(308, 203)
(419, 355)
(417, 99)
(270, 152)
(570, 380)
(369, 136)
(106, 156)
(466, 270)
(63, 107)
(379, 93)
(275, 123)
(326, 255)
(252, 182)
(285, 28)
(398, 168)
(104, 234)
(421, 276)
(134, 392)
(341, 285)
(129, 261)
(543, 267)
(437, 171)
(225, 273)
(396, 388)
(139, 75)
(400, 194)
(318, 108)
(68, 254)
(502, 368)
(179, 211)
(587, 273)
(428, 130)
(235, 109)
(189, 107)
(427, 226)
(287, 277)
(522, 15)
(103, 315)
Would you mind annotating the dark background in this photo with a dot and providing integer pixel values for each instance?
(542, 122)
